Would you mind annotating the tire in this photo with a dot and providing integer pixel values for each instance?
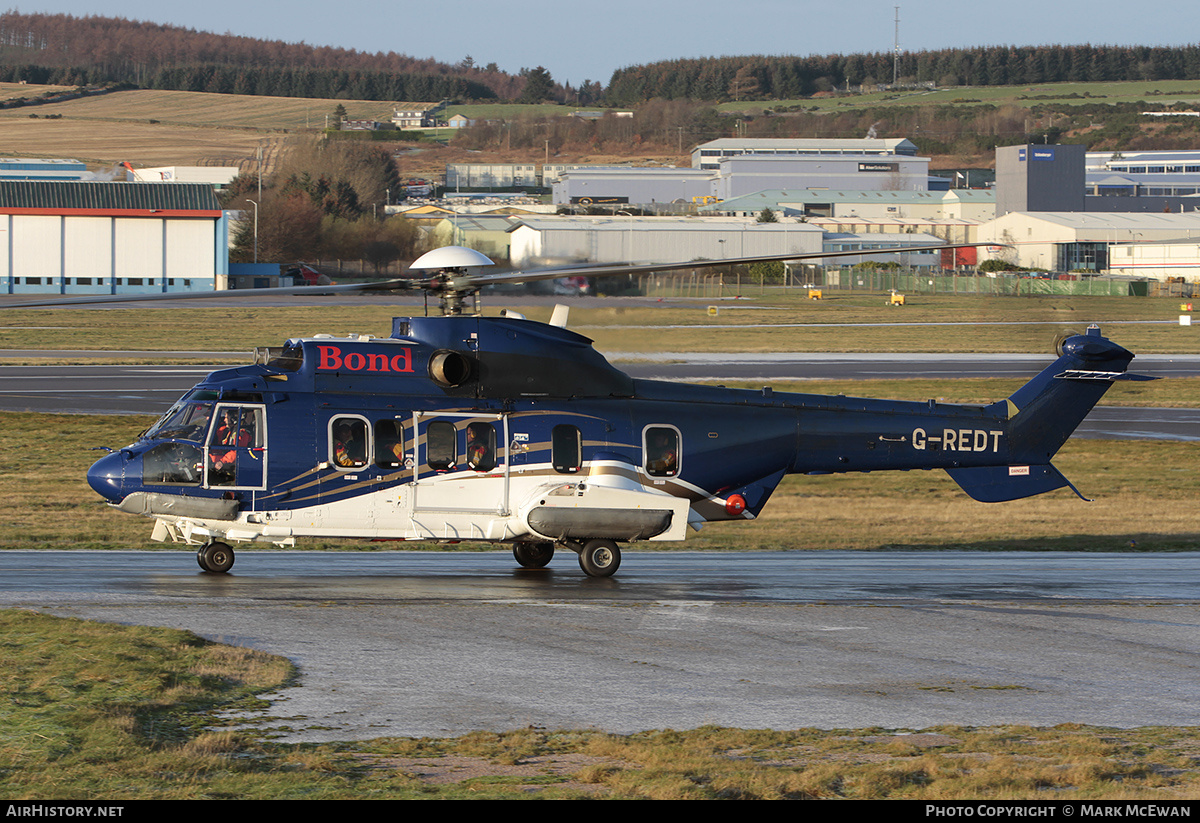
(533, 555)
(215, 557)
(600, 558)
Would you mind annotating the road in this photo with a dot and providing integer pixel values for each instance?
(417, 643)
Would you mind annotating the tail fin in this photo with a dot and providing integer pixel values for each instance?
(1043, 413)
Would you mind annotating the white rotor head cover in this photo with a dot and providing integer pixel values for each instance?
(451, 257)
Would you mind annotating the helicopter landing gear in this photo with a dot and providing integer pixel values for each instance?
(533, 555)
(215, 557)
(599, 558)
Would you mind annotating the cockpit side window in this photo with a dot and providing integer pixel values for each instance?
(349, 442)
(660, 449)
(173, 463)
(236, 446)
(186, 420)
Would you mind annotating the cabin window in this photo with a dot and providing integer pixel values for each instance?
(389, 444)
(660, 448)
(348, 442)
(481, 447)
(441, 446)
(565, 450)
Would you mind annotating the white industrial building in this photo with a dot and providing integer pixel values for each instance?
(619, 185)
(551, 240)
(1143, 173)
(110, 238)
(27, 168)
(743, 174)
(1157, 261)
(731, 168)
(844, 242)
(216, 176)
(1080, 241)
(955, 204)
(470, 176)
(709, 155)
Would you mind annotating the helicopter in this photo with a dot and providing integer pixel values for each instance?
(461, 427)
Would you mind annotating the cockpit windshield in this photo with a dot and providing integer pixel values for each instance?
(187, 419)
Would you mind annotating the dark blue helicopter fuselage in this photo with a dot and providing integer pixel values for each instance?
(461, 400)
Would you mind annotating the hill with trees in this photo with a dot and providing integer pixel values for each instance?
(786, 77)
(62, 49)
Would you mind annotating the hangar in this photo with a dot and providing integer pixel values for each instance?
(110, 238)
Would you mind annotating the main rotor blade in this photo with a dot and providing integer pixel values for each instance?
(533, 275)
(400, 284)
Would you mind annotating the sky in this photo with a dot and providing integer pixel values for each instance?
(588, 41)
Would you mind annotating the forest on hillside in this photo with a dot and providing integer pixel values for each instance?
(69, 50)
(784, 78)
(64, 49)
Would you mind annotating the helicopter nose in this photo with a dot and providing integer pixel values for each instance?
(107, 476)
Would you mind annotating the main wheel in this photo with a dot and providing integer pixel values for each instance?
(215, 557)
(599, 558)
(533, 555)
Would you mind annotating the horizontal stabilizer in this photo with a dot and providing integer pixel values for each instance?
(996, 484)
(1081, 374)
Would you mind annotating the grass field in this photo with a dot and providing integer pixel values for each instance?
(1166, 92)
(157, 128)
(160, 128)
(776, 321)
(116, 713)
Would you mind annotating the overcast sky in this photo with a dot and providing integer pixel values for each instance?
(587, 41)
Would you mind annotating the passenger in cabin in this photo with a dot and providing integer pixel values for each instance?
(348, 449)
(478, 447)
(662, 459)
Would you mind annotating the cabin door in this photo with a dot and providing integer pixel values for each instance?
(461, 463)
(235, 456)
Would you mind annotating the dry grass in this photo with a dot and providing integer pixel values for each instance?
(163, 128)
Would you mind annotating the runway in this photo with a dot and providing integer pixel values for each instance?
(441, 643)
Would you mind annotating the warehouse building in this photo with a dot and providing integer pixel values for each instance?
(1143, 173)
(19, 168)
(743, 174)
(971, 204)
(487, 176)
(709, 155)
(556, 240)
(1078, 241)
(587, 187)
(110, 238)
(1167, 260)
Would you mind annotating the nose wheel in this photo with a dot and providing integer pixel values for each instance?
(215, 557)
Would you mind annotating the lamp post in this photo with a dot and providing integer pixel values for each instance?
(629, 255)
(248, 200)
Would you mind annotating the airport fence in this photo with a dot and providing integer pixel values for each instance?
(701, 284)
